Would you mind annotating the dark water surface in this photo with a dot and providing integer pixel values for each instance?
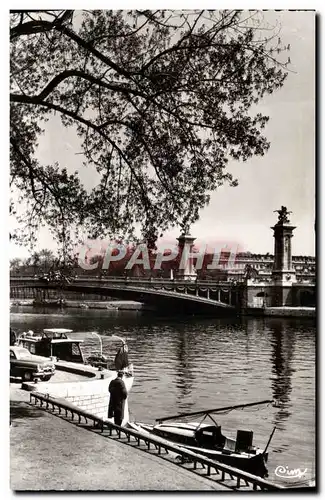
(189, 363)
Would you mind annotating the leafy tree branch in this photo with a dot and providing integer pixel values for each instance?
(160, 100)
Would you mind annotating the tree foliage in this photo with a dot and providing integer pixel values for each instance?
(161, 101)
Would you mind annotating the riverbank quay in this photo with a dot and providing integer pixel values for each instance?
(48, 453)
(75, 403)
(90, 392)
(282, 312)
(129, 305)
(111, 305)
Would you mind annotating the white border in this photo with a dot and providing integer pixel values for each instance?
(275, 4)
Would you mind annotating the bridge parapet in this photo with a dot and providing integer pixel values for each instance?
(203, 293)
(131, 281)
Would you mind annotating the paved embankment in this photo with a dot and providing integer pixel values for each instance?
(49, 453)
(282, 312)
(114, 305)
(58, 377)
(292, 312)
(89, 393)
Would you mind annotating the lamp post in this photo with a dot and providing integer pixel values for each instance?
(100, 342)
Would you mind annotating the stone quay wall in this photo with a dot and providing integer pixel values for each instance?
(91, 395)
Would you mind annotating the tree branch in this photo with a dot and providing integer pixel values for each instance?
(85, 76)
(80, 119)
(42, 26)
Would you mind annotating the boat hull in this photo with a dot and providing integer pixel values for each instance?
(252, 463)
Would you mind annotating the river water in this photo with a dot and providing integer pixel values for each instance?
(184, 364)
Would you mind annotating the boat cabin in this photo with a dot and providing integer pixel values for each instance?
(53, 342)
(210, 436)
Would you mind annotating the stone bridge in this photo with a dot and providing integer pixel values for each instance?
(223, 297)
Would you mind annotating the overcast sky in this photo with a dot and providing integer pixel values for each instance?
(284, 176)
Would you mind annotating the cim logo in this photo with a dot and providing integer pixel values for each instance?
(285, 473)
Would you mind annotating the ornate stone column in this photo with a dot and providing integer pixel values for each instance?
(283, 273)
(186, 268)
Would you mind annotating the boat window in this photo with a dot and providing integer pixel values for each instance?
(75, 349)
(207, 433)
(12, 354)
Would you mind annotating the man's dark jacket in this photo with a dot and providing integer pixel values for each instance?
(118, 394)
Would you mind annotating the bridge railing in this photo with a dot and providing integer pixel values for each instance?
(242, 478)
(118, 279)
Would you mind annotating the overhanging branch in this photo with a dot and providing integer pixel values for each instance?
(42, 26)
(85, 76)
(80, 119)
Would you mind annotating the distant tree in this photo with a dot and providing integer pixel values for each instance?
(27, 261)
(35, 260)
(15, 265)
(161, 101)
(47, 259)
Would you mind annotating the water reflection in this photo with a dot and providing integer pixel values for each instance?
(190, 364)
(283, 344)
(184, 374)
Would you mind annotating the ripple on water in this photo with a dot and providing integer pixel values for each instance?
(195, 364)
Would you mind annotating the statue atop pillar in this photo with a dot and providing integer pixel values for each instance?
(283, 272)
(283, 217)
(185, 228)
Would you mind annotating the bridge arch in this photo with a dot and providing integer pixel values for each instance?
(163, 295)
(307, 298)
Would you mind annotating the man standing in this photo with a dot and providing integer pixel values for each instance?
(13, 337)
(122, 358)
(118, 395)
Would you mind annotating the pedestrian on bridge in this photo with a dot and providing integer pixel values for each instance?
(118, 395)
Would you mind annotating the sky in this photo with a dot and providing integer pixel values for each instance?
(284, 176)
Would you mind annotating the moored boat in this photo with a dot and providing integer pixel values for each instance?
(56, 343)
(207, 439)
(53, 342)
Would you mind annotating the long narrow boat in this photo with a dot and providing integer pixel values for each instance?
(208, 440)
